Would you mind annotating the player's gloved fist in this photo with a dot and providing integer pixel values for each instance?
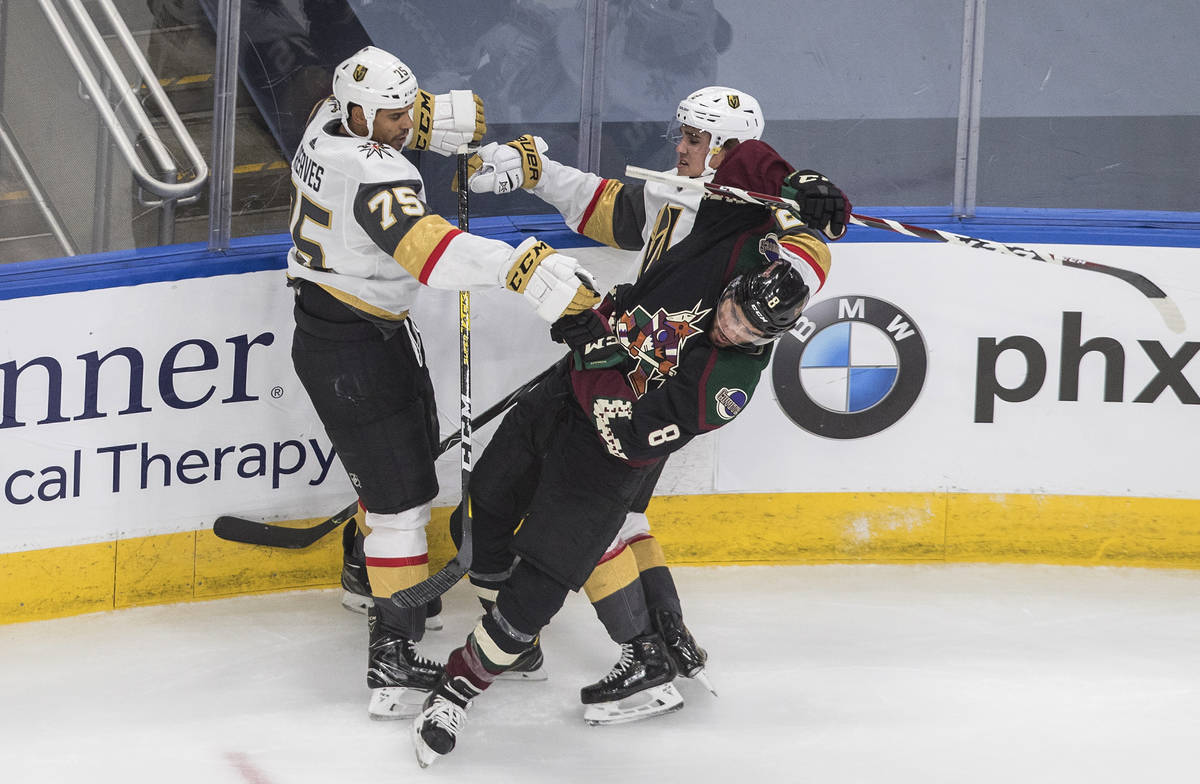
(506, 167)
(823, 206)
(443, 123)
(580, 328)
(555, 284)
(590, 337)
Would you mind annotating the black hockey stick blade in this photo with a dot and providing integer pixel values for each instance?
(437, 584)
(238, 529)
(429, 589)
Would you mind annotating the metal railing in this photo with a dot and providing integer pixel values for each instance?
(114, 89)
(43, 204)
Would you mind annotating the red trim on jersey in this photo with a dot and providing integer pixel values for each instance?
(587, 214)
(414, 560)
(432, 261)
(611, 554)
(802, 253)
(640, 538)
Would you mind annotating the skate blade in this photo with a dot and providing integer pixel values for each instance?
(395, 702)
(355, 602)
(645, 704)
(425, 755)
(539, 674)
(700, 676)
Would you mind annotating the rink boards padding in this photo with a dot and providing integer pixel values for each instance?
(738, 529)
(937, 404)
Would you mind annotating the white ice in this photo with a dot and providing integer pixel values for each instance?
(890, 674)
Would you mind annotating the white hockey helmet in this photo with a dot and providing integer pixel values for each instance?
(725, 113)
(373, 79)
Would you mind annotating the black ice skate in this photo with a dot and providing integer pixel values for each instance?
(638, 687)
(527, 667)
(686, 655)
(398, 676)
(443, 716)
(356, 586)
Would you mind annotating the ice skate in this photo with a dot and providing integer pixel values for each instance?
(399, 678)
(688, 657)
(529, 666)
(356, 588)
(435, 730)
(637, 687)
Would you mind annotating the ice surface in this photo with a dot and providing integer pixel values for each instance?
(929, 673)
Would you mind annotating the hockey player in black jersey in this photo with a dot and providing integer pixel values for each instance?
(676, 355)
(632, 581)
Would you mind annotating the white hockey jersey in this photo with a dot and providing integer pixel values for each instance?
(362, 231)
(615, 213)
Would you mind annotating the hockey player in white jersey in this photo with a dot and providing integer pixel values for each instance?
(364, 243)
(652, 217)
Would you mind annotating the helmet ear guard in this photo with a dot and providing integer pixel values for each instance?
(374, 80)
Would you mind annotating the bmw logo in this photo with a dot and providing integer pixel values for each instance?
(852, 367)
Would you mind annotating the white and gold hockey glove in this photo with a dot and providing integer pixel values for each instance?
(443, 123)
(554, 284)
(502, 168)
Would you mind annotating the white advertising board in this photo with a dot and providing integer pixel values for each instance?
(155, 408)
(151, 409)
(935, 368)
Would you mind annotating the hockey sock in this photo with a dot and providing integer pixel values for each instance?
(657, 583)
(491, 648)
(616, 593)
(407, 622)
(398, 557)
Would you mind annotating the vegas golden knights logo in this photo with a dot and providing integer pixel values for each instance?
(660, 235)
(360, 72)
(734, 101)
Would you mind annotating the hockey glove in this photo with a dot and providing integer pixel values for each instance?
(580, 329)
(443, 123)
(590, 337)
(503, 168)
(823, 206)
(555, 284)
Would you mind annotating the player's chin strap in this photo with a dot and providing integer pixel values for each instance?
(1165, 305)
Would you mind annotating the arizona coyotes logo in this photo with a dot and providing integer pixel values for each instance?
(734, 101)
(360, 72)
(656, 341)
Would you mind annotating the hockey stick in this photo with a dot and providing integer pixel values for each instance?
(239, 529)
(1166, 306)
(434, 586)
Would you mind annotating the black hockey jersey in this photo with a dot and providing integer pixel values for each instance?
(672, 383)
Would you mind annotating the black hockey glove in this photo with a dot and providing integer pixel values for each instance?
(823, 206)
(579, 329)
(588, 335)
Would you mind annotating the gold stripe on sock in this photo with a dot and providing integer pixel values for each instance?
(648, 552)
(611, 575)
